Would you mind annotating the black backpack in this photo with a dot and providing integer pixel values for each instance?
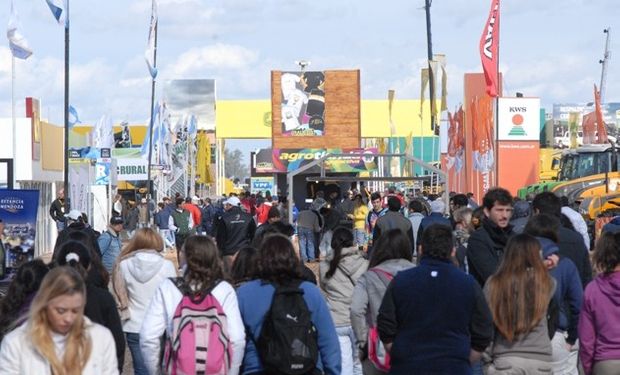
(288, 338)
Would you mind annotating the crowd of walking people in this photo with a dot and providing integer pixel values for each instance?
(404, 285)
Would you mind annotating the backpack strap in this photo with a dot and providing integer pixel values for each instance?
(185, 289)
(347, 275)
(384, 276)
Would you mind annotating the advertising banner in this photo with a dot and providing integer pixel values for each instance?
(263, 162)
(303, 103)
(79, 188)
(131, 169)
(519, 119)
(261, 184)
(18, 211)
(285, 160)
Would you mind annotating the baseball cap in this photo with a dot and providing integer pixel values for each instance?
(195, 199)
(74, 215)
(116, 220)
(233, 201)
(438, 206)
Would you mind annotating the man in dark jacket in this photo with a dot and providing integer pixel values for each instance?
(393, 219)
(485, 247)
(438, 209)
(570, 242)
(57, 210)
(434, 318)
(234, 230)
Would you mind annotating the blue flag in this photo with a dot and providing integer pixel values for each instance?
(73, 116)
(59, 10)
(149, 54)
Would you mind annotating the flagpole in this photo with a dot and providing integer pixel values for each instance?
(499, 91)
(12, 182)
(66, 153)
(148, 170)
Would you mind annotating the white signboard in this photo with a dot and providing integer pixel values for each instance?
(519, 119)
(131, 169)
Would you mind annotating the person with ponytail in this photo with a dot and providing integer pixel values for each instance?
(203, 274)
(338, 275)
(57, 338)
(139, 270)
(100, 306)
(519, 294)
(15, 305)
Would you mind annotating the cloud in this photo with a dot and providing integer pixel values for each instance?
(218, 56)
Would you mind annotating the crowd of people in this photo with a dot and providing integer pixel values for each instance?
(404, 285)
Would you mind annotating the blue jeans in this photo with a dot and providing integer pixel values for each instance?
(133, 341)
(306, 243)
(351, 364)
(360, 236)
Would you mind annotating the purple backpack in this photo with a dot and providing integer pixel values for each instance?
(199, 342)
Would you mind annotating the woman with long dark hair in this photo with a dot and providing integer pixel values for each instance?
(338, 274)
(392, 254)
(138, 272)
(15, 305)
(58, 338)
(203, 275)
(245, 266)
(279, 267)
(599, 321)
(518, 295)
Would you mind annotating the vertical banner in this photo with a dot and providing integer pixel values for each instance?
(303, 103)
(79, 179)
(519, 142)
(573, 122)
(18, 211)
(489, 50)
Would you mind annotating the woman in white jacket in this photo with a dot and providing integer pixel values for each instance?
(202, 272)
(57, 338)
(138, 272)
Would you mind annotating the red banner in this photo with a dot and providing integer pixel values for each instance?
(600, 121)
(489, 50)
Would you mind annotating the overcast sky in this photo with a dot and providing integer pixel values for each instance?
(548, 48)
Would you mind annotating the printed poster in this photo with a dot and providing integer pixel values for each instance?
(18, 211)
(303, 104)
(261, 184)
(285, 160)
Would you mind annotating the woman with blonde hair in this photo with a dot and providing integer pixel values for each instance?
(518, 295)
(137, 274)
(57, 338)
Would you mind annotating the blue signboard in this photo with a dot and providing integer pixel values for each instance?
(18, 211)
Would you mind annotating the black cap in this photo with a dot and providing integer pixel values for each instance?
(116, 220)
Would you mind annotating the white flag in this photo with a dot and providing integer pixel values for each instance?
(59, 10)
(103, 136)
(17, 43)
(149, 54)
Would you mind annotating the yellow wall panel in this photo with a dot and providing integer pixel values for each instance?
(51, 154)
(243, 119)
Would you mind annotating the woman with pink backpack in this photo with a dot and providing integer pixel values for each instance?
(199, 315)
(392, 253)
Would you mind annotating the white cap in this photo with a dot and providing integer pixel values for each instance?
(233, 201)
(195, 199)
(438, 206)
(74, 215)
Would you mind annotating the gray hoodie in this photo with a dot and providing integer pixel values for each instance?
(368, 295)
(338, 289)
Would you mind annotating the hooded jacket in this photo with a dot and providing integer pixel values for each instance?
(142, 274)
(367, 297)
(568, 291)
(599, 322)
(19, 356)
(338, 289)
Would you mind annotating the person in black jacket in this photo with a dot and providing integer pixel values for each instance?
(234, 230)
(570, 242)
(57, 210)
(434, 318)
(74, 221)
(485, 248)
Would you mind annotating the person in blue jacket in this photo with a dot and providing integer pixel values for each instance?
(279, 264)
(568, 294)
